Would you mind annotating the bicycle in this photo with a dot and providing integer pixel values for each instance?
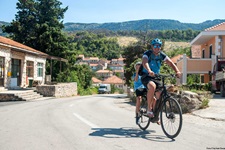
(168, 108)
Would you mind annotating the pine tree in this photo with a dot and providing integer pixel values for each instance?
(39, 24)
(132, 54)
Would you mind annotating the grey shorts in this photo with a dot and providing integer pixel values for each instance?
(145, 79)
(141, 92)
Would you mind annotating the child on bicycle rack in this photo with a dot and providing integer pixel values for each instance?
(151, 61)
(139, 89)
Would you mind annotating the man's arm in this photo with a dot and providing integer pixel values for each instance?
(146, 65)
(173, 66)
(136, 76)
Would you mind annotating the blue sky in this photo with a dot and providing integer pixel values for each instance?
(102, 11)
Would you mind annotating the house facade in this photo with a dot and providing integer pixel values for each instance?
(205, 48)
(104, 74)
(118, 82)
(20, 65)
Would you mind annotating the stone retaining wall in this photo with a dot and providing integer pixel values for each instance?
(58, 90)
(8, 97)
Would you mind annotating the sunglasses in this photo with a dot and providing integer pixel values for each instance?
(156, 46)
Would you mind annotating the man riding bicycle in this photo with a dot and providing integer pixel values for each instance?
(151, 61)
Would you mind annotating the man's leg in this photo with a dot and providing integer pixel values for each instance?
(150, 97)
(157, 95)
(138, 103)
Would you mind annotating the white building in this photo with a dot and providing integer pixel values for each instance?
(20, 64)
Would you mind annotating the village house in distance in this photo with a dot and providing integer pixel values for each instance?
(107, 71)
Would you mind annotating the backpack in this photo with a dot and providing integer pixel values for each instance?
(140, 71)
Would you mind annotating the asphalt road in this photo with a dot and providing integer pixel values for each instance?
(100, 122)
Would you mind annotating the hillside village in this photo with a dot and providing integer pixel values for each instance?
(107, 71)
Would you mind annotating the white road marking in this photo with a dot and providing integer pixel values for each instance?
(85, 121)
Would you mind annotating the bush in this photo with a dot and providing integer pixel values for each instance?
(121, 91)
(205, 103)
(83, 92)
(113, 88)
(94, 90)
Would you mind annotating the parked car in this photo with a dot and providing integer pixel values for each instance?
(104, 88)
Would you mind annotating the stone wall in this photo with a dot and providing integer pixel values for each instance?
(58, 90)
(4, 97)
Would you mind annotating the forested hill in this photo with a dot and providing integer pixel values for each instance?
(139, 25)
(147, 24)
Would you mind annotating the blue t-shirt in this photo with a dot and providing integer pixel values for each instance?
(154, 61)
(137, 84)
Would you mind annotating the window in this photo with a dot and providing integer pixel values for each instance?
(203, 53)
(40, 69)
(202, 78)
(30, 69)
(210, 51)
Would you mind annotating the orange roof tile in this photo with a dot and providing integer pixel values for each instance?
(93, 64)
(104, 71)
(220, 26)
(113, 80)
(94, 58)
(95, 80)
(16, 45)
(118, 70)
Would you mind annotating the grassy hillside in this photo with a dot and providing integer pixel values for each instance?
(174, 45)
(125, 41)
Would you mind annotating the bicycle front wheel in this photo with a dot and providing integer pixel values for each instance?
(171, 118)
(144, 120)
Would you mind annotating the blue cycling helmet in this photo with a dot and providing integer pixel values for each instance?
(156, 41)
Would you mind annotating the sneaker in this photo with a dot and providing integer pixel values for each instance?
(137, 118)
(157, 121)
(150, 114)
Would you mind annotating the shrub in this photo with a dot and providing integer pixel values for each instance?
(205, 103)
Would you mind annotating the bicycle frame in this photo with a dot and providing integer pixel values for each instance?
(159, 102)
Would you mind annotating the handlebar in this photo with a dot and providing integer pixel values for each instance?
(162, 76)
(165, 75)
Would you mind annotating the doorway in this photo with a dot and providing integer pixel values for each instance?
(2, 71)
(16, 72)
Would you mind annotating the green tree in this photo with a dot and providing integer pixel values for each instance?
(132, 53)
(91, 44)
(39, 24)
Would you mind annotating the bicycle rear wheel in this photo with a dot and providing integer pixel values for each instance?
(144, 120)
(171, 118)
